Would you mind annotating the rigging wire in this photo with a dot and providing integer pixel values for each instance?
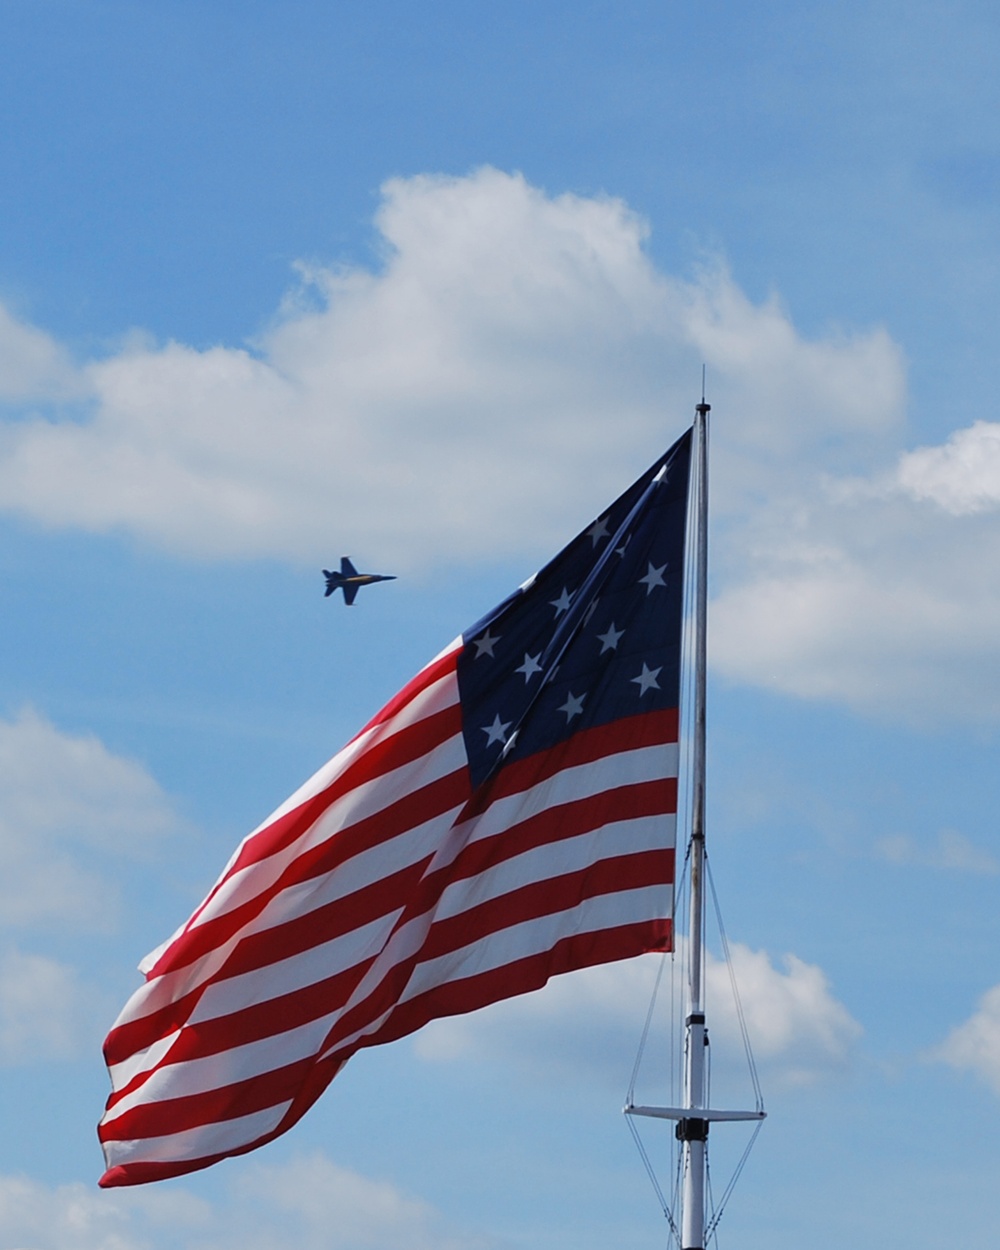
(630, 1098)
(678, 1177)
(737, 1172)
(667, 1205)
(740, 1014)
(651, 1172)
(711, 1196)
(640, 1053)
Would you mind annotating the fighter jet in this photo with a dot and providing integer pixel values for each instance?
(350, 581)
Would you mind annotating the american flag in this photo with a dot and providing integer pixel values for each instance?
(509, 815)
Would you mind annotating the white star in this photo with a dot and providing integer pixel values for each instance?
(561, 604)
(573, 706)
(485, 645)
(530, 666)
(647, 679)
(620, 551)
(496, 731)
(508, 746)
(598, 531)
(609, 641)
(653, 578)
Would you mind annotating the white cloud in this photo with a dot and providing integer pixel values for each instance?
(310, 1203)
(66, 801)
(962, 476)
(33, 366)
(334, 1208)
(515, 361)
(850, 590)
(974, 1046)
(590, 1021)
(42, 1008)
(792, 1017)
(71, 1217)
(952, 851)
(508, 370)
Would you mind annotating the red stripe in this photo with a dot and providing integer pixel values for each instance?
(174, 1115)
(631, 733)
(428, 675)
(140, 1173)
(191, 1111)
(343, 915)
(582, 950)
(300, 1006)
(454, 998)
(534, 905)
(546, 898)
(416, 894)
(300, 932)
(413, 809)
(405, 746)
(567, 820)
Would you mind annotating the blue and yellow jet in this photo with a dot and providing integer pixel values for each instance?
(350, 581)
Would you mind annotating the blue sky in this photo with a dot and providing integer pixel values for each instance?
(431, 284)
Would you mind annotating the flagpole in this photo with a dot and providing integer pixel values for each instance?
(692, 1130)
(693, 1117)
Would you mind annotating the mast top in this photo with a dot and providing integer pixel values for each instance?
(703, 409)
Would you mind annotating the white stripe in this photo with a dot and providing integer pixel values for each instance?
(355, 874)
(555, 859)
(534, 937)
(141, 1061)
(439, 695)
(239, 1063)
(295, 973)
(196, 1143)
(434, 698)
(623, 768)
(582, 781)
(272, 980)
(494, 950)
(350, 949)
(365, 869)
(169, 987)
(570, 855)
(365, 800)
(408, 939)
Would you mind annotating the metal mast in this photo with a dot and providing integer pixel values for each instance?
(693, 1118)
(692, 1131)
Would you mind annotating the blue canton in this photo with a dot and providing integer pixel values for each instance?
(592, 638)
